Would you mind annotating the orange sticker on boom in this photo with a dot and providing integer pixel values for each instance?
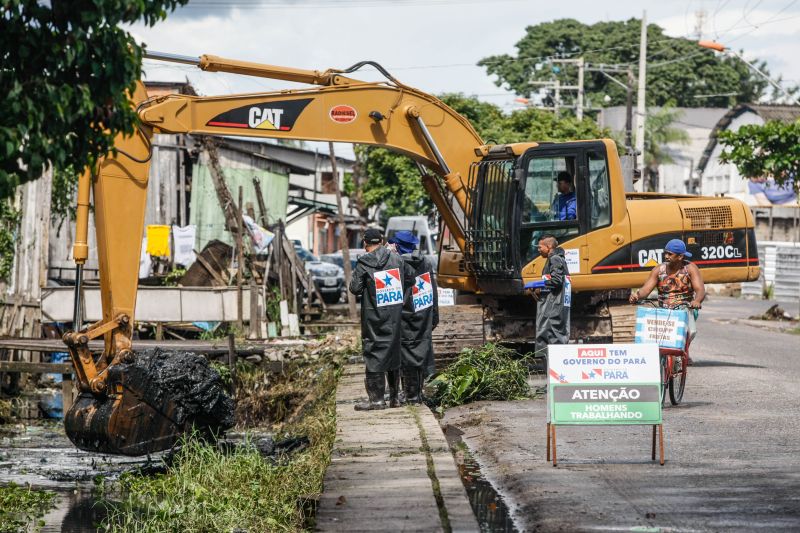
(343, 114)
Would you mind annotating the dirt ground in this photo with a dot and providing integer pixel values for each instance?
(732, 447)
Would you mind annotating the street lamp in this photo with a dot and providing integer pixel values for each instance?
(718, 47)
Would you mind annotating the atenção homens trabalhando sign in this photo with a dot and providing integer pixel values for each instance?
(604, 384)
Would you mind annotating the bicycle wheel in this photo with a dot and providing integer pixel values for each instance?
(678, 382)
(665, 377)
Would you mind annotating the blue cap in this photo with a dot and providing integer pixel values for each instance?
(677, 246)
(406, 241)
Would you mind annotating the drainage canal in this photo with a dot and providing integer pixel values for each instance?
(489, 507)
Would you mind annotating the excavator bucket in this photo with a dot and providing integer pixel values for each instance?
(152, 401)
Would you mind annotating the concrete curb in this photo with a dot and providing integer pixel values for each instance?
(380, 477)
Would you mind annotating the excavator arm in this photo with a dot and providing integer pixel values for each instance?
(339, 108)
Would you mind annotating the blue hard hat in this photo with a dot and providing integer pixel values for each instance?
(677, 246)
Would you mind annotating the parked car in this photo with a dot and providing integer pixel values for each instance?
(338, 259)
(327, 276)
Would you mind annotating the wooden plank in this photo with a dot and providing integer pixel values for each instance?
(35, 368)
(203, 347)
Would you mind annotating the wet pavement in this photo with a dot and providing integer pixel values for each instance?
(732, 447)
(488, 505)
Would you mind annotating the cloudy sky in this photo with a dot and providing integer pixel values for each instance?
(435, 44)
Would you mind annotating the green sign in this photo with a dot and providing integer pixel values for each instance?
(604, 384)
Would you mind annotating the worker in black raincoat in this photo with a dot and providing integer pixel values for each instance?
(378, 278)
(420, 315)
(554, 297)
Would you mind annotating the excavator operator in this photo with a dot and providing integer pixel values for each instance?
(564, 205)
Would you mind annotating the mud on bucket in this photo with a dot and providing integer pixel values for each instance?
(155, 400)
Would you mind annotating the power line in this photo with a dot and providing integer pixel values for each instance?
(321, 4)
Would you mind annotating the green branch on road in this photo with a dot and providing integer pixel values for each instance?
(490, 372)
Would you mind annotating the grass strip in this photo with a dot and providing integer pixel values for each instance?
(21, 508)
(206, 489)
(437, 491)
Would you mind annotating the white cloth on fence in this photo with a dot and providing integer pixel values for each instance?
(145, 263)
(183, 239)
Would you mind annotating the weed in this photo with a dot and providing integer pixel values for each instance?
(5, 411)
(20, 508)
(206, 489)
(490, 372)
(172, 279)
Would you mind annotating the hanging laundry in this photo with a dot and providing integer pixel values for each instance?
(158, 240)
(183, 240)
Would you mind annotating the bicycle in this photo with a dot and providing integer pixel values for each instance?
(674, 364)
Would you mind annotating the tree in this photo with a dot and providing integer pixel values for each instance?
(393, 179)
(65, 70)
(768, 150)
(678, 69)
(658, 134)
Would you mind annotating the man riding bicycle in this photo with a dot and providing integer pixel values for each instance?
(679, 282)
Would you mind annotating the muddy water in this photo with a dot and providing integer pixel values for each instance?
(488, 505)
(40, 455)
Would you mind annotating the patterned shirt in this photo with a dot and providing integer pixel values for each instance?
(674, 291)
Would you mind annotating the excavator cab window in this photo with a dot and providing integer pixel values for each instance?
(599, 190)
(547, 207)
(516, 202)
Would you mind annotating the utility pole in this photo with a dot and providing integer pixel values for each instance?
(629, 110)
(557, 87)
(628, 86)
(557, 99)
(640, 100)
(579, 102)
(348, 269)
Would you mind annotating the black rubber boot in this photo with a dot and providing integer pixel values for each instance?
(376, 386)
(394, 387)
(411, 377)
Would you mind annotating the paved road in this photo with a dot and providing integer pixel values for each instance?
(733, 447)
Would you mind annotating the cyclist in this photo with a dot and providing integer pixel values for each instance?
(679, 282)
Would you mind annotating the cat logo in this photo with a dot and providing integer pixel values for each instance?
(275, 116)
(650, 258)
(265, 118)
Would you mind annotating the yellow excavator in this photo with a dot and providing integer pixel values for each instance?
(494, 202)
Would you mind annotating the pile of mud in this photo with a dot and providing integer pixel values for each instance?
(163, 395)
(184, 379)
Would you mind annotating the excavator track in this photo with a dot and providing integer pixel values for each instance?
(460, 326)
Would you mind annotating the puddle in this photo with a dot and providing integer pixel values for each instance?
(75, 511)
(489, 507)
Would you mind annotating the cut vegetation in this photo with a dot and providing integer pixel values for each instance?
(490, 372)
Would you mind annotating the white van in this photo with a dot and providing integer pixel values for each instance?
(418, 225)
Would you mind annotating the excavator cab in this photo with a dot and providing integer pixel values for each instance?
(560, 189)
